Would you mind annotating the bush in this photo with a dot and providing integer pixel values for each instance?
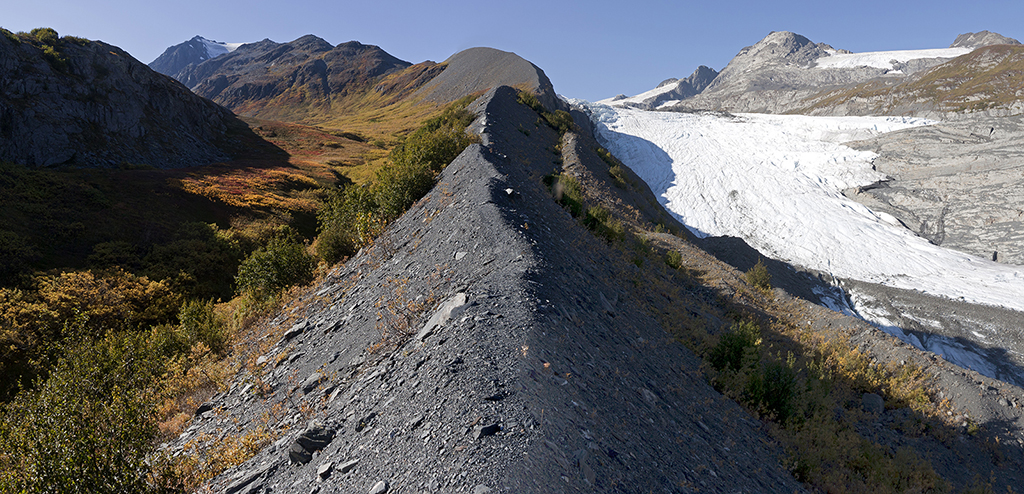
(737, 348)
(200, 262)
(46, 35)
(199, 324)
(772, 390)
(674, 259)
(88, 428)
(280, 264)
(759, 276)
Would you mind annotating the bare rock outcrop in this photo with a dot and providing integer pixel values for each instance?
(87, 103)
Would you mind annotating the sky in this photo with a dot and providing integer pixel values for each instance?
(589, 50)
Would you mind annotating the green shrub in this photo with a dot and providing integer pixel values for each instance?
(674, 259)
(200, 262)
(46, 35)
(759, 276)
(560, 120)
(199, 324)
(88, 427)
(11, 36)
(737, 348)
(529, 99)
(280, 264)
(772, 390)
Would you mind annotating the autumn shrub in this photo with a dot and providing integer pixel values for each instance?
(737, 348)
(674, 259)
(45, 35)
(759, 276)
(199, 324)
(199, 262)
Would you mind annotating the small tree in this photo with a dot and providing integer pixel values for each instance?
(270, 269)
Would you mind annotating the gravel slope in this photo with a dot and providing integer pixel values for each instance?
(548, 378)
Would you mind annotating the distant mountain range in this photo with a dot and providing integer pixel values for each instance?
(788, 73)
(310, 79)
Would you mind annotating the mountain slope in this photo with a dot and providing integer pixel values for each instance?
(87, 103)
(192, 52)
(290, 81)
(479, 69)
(986, 80)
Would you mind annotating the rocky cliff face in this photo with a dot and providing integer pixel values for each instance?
(289, 81)
(87, 103)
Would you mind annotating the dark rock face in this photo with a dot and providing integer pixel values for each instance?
(174, 59)
(982, 38)
(101, 107)
(271, 79)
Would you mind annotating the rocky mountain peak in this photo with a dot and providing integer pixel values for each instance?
(783, 46)
(982, 38)
(701, 78)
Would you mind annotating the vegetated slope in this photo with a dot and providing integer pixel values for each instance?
(70, 101)
(479, 69)
(192, 52)
(537, 371)
(290, 81)
(987, 80)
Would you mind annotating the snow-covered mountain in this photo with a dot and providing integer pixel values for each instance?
(791, 187)
(194, 51)
(784, 71)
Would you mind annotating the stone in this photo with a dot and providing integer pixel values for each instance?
(324, 471)
(348, 466)
(481, 489)
(442, 315)
(873, 403)
(295, 330)
(311, 440)
(312, 381)
(379, 488)
(487, 430)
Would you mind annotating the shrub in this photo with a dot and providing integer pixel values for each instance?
(737, 348)
(200, 262)
(87, 428)
(674, 259)
(46, 35)
(772, 389)
(11, 36)
(199, 324)
(759, 276)
(280, 264)
(349, 220)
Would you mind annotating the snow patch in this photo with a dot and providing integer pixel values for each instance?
(216, 48)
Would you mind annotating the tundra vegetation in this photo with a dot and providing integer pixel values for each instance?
(123, 309)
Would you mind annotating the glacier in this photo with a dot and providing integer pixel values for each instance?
(777, 181)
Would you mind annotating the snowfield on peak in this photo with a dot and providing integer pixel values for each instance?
(885, 59)
(777, 181)
(216, 48)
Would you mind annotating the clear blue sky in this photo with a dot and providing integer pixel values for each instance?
(590, 50)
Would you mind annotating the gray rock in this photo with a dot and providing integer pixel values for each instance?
(311, 440)
(324, 470)
(873, 403)
(379, 488)
(442, 315)
(481, 489)
(348, 466)
(295, 330)
(487, 430)
(312, 381)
